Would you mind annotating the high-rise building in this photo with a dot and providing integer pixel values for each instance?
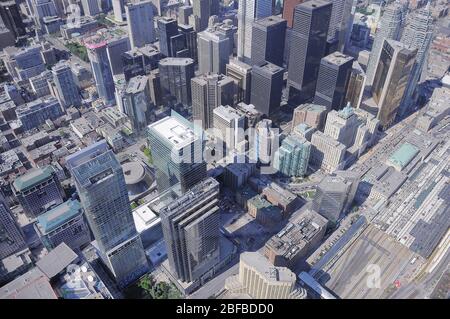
(177, 151)
(417, 35)
(259, 279)
(90, 7)
(311, 114)
(175, 79)
(248, 12)
(389, 27)
(288, 10)
(35, 113)
(38, 190)
(168, 28)
(326, 153)
(183, 14)
(231, 124)
(241, 73)
(137, 104)
(189, 42)
(98, 175)
(342, 125)
(356, 85)
(10, 15)
(65, 85)
(213, 51)
(11, 236)
(292, 158)
(140, 23)
(333, 79)
(335, 194)
(391, 78)
(340, 23)
(309, 38)
(119, 10)
(191, 231)
(268, 37)
(265, 142)
(267, 84)
(208, 92)
(201, 14)
(64, 223)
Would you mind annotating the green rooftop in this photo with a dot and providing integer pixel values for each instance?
(403, 155)
(32, 177)
(59, 215)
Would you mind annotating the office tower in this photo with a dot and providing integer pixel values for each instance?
(259, 279)
(389, 27)
(189, 37)
(231, 124)
(11, 236)
(100, 183)
(175, 78)
(213, 51)
(38, 190)
(288, 10)
(332, 82)
(264, 142)
(177, 152)
(268, 37)
(292, 158)
(65, 84)
(248, 12)
(311, 114)
(24, 63)
(326, 153)
(10, 15)
(241, 74)
(155, 87)
(90, 7)
(190, 226)
(140, 61)
(267, 83)
(42, 9)
(391, 78)
(417, 35)
(35, 113)
(137, 104)
(309, 38)
(183, 14)
(39, 83)
(116, 46)
(356, 85)
(63, 224)
(360, 33)
(201, 13)
(140, 23)
(340, 22)
(208, 92)
(342, 125)
(119, 9)
(335, 194)
(167, 28)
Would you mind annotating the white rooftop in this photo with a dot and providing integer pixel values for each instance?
(174, 131)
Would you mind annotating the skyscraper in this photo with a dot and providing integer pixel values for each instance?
(229, 122)
(389, 27)
(10, 15)
(332, 82)
(11, 237)
(267, 83)
(417, 35)
(137, 104)
(208, 92)
(248, 12)
(98, 176)
(292, 157)
(140, 23)
(213, 51)
(90, 7)
(175, 79)
(191, 231)
(241, 73)
(201, 14)
(177, 151)
(309, 38)
(391, 78)
(268, 37)
(340, 22)
(167, 28)
(288, 10)
(118, 9)
(342, 125)
(65, 84)
(356, 85)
